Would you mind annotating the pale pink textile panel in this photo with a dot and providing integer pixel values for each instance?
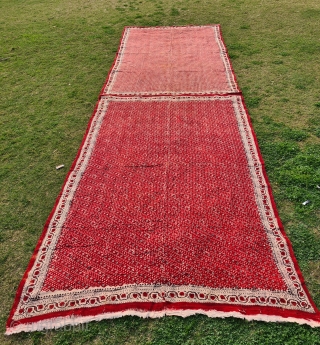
(172, 60)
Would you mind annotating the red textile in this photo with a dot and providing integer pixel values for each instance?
(171, 60)
(167, 208)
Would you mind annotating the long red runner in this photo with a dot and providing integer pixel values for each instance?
(167, 209)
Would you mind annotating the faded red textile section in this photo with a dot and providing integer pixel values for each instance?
(166, 198)
(176, 59)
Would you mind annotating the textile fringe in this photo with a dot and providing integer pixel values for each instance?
(60, 322)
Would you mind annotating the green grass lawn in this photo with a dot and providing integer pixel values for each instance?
(54, 58)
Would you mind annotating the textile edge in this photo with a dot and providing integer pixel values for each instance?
(72, 320)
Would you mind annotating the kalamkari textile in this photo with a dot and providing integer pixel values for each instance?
(167, 209)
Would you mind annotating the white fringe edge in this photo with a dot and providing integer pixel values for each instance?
(59, 322)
